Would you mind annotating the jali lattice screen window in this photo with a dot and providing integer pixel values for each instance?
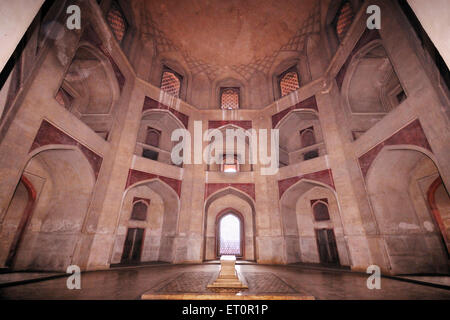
(117, 22)
(229, 98)
(343, 20)
(289, 82)
(171, 82)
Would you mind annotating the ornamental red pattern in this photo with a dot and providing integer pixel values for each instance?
(324, 176)
(244, 124)
(248, 188)
(309, 103)
(150, 103)
(49, 134)
(135, 176)
(412, 134)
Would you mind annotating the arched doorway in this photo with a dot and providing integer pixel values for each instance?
(148, 224)
(22, 202)
(46, 213)
(312, 225)
(230, 200)
(439, 202)
(230, 234)
(397, 183)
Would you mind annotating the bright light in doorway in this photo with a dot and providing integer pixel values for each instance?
(229, 168)
(230, 235)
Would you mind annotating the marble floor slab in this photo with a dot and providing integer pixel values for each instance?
(132, 283)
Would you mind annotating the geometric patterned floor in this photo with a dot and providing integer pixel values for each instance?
(133, 283)
(187, 282)
(196, 282)
(266, 282)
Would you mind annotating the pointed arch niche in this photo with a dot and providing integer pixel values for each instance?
(242, 157)
(370, 87)
(301, 229)
(300, 137)
(158, 229)
(46, 209)
(153, 141)
(398, 185)
(90, 89)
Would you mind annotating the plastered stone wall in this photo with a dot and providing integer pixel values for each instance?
(175, 231)
(15, 211)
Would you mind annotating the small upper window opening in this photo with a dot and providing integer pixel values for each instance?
(320, 211)
(289, 81)
(343, 20)
(230, 167)
(171, 82)
(117, 22)
(153, 136)
(229, 98)
(150, 154)
(307, 137)
(139, 211)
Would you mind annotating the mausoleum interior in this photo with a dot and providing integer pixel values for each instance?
(344, 163)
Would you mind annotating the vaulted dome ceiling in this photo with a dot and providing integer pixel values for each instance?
(213, 34)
